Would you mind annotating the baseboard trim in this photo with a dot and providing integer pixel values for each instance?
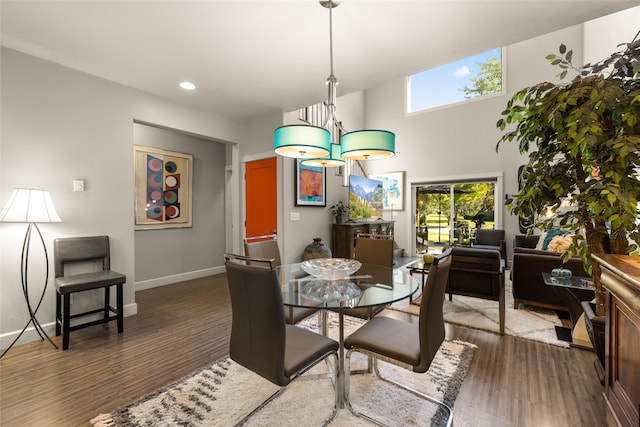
(174, 278)
(30, 333)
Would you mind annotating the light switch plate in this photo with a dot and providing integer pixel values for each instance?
(78, 185)
(294, 216)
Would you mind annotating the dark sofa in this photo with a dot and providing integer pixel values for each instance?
(526, 275)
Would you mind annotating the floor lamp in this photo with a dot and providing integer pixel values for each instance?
(31, 206)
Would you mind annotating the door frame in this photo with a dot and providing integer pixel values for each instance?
(498, 202)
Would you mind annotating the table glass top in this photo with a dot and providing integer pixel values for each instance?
(568, 282)
(370, 285)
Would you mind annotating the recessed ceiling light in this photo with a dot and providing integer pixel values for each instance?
(187, 85)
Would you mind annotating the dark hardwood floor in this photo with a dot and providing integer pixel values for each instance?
(180, 328)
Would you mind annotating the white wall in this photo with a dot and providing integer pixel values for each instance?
(175, 254)
(461, 140)
(58, 124)
(602, 36)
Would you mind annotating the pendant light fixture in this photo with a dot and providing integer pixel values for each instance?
(318, 145)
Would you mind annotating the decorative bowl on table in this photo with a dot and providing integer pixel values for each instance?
(331, 268)
(339, 292)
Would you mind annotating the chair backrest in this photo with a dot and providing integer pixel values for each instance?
(487, 236)
(374, 251)
(263, 249)
(431, 321)
(476, 273)
(258, 335)
(80, 249)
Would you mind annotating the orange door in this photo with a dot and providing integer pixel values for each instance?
(261, 211)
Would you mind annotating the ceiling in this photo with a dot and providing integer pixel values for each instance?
(251, 57)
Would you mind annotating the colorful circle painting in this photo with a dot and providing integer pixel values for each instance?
(155, 196)
(154, 212)
(170, 167)
(172, 212)
(154, 164)
(171, 196)
(155, 180)
(171, 181)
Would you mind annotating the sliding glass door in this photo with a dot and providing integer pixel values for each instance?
(450, 213)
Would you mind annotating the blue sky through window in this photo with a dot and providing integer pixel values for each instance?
(443, 85)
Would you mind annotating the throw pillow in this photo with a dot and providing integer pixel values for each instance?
(541, 240)
(560, 243)
(546, 239)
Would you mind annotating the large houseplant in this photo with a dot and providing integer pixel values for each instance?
(583, 141)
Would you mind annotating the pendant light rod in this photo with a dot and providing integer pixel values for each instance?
(332, 82)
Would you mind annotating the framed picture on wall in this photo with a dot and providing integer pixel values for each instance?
(393, 190)
(163, 185)
(310, 183)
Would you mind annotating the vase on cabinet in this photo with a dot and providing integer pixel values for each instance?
(316, 249)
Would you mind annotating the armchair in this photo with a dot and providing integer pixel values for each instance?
(478, 273)
(486, 238)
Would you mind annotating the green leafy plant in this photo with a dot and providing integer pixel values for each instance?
(339, 209)
(583, 142)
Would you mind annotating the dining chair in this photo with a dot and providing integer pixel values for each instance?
(373, 249)
(261, 341)
(263, 247)
(406, 344)
(267, 247)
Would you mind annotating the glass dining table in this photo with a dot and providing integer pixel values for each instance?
(371, 285)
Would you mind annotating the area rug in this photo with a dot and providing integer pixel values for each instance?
(530, 323)
(223, 393)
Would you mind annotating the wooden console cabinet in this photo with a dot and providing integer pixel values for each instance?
(620, 278)
(343, 235)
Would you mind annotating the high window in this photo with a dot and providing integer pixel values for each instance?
(476, 76)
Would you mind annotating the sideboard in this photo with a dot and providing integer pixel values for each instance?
(343, 235)
(620, 278)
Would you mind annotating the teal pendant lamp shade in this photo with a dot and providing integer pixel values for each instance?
(314, 145)
(368, 144)
(302, 141)
(331, 161)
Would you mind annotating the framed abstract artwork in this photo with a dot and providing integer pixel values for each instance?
(163, 182)
(393, 190)
(310, 182)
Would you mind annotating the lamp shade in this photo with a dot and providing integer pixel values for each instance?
(29, 205)
(368, 144)
(302, 141)
(331, 161)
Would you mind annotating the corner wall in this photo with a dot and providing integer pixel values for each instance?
(57, 125)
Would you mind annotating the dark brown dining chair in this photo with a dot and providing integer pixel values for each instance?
(412, 346)
(261, 341)
(267, 247)
(373, 249)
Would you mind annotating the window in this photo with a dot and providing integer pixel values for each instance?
(472, 77)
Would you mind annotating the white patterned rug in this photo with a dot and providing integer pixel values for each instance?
(223, 393)
(531, 323)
